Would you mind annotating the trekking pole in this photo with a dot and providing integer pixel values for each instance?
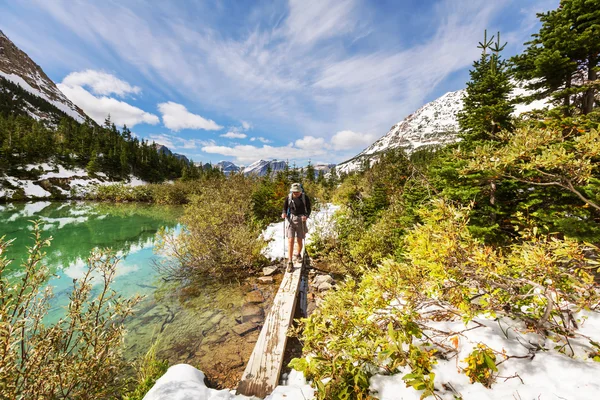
(284, 240)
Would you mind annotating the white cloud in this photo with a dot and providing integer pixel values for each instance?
(100, 83)
(246, 125)
(249, 154)
(293, 65)
(98, 108)
(348, 140)
(176, 117)
(261, 139)
(234, 135)
(301, 149)
(310, 143)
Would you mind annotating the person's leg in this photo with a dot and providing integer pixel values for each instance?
(292, 232)
(299, 241)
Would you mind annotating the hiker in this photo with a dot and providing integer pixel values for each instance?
(296, 208)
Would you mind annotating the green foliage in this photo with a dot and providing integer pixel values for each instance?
(481, 364)
(221, 237)
(78, 357)
(537, 278)
(562, 59)
(25, 140)
(486, 108)
(561, 168)
(341, 336)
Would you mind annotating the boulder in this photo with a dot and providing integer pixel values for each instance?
(265, 279)
(324, 286)
(321, 279)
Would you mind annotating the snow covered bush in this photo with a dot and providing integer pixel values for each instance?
(389, 322)
(78, 357)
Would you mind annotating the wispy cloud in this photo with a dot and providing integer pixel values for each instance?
(299, 67)
(176, 117)
(234, 135)
(261, 139)
(178, 143)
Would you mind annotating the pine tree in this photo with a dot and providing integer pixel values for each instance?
(562, 59)
(310, 172)
(486, 108)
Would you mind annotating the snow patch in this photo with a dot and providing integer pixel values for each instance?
(61, 105)
(184, 382)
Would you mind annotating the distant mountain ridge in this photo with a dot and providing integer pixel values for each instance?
(162, 149)
(18, 68)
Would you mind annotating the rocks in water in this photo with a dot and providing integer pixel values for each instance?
(252, 313)
(265, 279)
(254, 296)
(270, 270)
(244, 328)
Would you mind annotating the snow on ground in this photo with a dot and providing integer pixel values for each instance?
(277, 247)
(549, 375)
(64, 173)
(135, 181)
(184, 382)
(29, 187)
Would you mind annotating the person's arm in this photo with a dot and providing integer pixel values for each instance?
(308, 208)
(285, 208)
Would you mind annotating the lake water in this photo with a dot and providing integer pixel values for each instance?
(192, 325)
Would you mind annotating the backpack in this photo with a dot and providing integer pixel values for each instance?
(291, 202)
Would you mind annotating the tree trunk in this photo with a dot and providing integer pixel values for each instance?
(567, 99)
(590, 94)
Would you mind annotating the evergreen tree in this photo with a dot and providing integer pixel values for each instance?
(486, 108)
(310, 172)
(562, 59)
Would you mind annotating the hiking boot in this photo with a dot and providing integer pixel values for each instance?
(290, 266)
(297, 257)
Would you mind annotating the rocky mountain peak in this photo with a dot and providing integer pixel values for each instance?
(17, 67)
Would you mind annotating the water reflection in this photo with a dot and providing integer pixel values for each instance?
(78, 227)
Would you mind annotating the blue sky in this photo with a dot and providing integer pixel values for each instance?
(243, 80)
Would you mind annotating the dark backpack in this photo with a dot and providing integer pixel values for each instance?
(291, 202)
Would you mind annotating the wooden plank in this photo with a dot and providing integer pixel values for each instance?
(262, 372)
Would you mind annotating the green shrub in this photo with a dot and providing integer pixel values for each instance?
(220, 239)
(78, 357)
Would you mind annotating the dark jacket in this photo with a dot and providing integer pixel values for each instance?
(296, 206)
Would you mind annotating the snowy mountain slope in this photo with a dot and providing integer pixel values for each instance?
(433, 124)
(228, 167)
(18, 68)
(260, 167)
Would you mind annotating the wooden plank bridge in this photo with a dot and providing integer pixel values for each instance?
(264, 367)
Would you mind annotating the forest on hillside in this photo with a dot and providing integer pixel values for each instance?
(117, 153)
